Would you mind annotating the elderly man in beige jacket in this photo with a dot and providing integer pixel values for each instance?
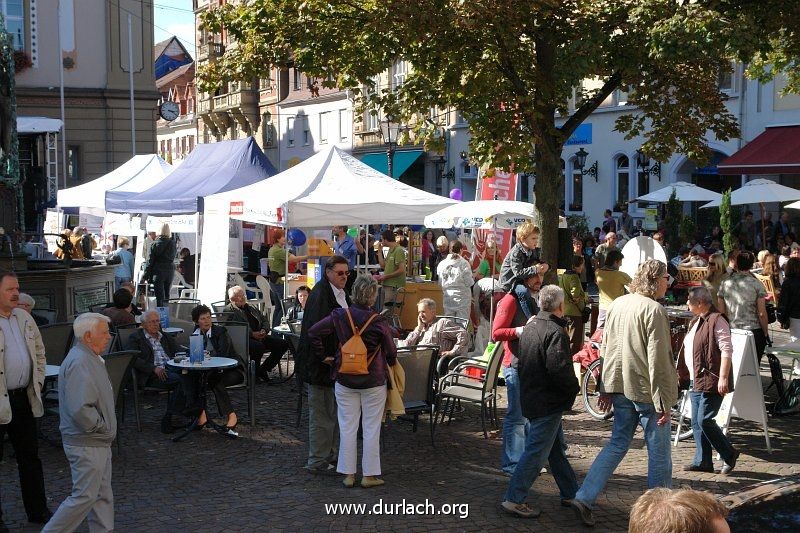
(22, 369)
(639, 376)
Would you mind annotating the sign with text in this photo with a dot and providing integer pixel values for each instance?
(496, 185)
(581, 135)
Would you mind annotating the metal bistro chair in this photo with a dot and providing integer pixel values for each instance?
(181, 308)
(98, 308)
(57, 339)
(419, 397)
(457, 386)
(240, 337)
(219, 307)
(51, 315)
(118, 366)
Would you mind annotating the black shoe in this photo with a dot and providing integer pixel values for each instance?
(42, 518)
(166, 425)
(696, 468)
(728, 468)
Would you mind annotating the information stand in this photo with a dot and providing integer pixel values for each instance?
(747, 399)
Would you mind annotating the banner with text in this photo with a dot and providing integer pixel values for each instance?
(495, 184)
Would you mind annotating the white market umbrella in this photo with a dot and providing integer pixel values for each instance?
(684, 192)
(793, 205)
(760, 191)
(482, 214)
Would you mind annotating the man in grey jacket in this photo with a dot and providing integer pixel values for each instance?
(88, 426)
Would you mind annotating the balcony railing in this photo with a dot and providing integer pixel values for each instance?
(210, 50)
(204, 106)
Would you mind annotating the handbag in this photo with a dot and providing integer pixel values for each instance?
(113, 259)
(586, 313)
(771, 314)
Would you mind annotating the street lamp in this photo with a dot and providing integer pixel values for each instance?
(580, 163)
(643, 162)
(390, 131)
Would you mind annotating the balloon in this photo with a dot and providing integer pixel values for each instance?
(455, 194)
(353, 232)
(296, 237)
(416, 227)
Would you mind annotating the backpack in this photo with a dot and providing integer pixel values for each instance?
(354, 352)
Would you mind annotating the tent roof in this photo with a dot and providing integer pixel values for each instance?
(776, 150)
(332, 187)
(137, 174)
(209, 169)
(38, 125)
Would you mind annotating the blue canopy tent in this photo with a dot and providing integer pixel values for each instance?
(209, 169)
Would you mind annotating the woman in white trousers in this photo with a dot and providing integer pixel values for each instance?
(360, 399)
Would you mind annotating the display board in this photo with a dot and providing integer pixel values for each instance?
(747, 399)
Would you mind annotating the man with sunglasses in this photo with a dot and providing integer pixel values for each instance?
(328, 294)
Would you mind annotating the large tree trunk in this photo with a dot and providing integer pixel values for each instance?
(549, 181)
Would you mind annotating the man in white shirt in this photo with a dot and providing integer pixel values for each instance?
(22, 371)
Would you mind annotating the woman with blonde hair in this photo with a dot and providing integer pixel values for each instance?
(716, 273)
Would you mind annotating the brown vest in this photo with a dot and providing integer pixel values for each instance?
(706, 355)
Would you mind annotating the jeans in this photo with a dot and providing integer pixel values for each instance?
(118, 281)
(545, 441)
(627, 415)
(707, 433)
(514, 424)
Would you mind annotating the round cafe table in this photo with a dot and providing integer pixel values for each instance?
(204, 369)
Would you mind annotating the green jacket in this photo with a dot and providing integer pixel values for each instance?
(637, 353)
(575, 298)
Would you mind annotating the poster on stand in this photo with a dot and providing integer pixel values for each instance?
(495, 184)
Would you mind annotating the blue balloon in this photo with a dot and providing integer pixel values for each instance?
(416, 227)
(296, 237)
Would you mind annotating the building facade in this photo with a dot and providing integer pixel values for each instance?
(94, 58)
(177, 137)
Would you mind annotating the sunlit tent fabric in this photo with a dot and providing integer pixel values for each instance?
(775, 151)
(209, 169)
(136, 175)
(684, 192)
(331, 187)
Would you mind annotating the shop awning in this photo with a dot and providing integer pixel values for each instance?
(38, 125)
(400, 163)
(775, 151)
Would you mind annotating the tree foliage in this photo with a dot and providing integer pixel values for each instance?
(725, 221)
(515, 68)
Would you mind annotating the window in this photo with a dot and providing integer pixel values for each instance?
(400, 71)
(576, 188)
(324, 118)
(460, 120)
(344, 125)
(622, 169)
(725, 79)
(13, 11)
(290, 131)
(306, 132)
(191, 142)
(372, 121)
(297, 80)
(73, 162)
(643, 183)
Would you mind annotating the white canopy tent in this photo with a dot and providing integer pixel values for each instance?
(138, 174)
(331, 187)
(684, 192)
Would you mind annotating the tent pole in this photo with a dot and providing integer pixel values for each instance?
(491, 302)
(763, 229)
(197, 235)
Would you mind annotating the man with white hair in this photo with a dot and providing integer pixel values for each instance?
(547, 388)
(88, 427)
(27, 303)
(155, 349)
(22, 364)
(451, 338)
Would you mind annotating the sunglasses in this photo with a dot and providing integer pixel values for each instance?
(341, 272)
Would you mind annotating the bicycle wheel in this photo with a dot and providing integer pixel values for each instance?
(590, 394)
(685, 420)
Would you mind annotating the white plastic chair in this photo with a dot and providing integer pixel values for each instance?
(267, 309)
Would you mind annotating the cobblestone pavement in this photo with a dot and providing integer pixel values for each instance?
(210, 483)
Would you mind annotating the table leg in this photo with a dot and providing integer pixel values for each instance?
(223, 430)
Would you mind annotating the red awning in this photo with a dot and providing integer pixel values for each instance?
(775, 151)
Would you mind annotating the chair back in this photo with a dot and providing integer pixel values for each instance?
(266, 291)
(493, 369)
(239, 280)
(224, 316)
(57, 339)
(98, 308)
(50, 314)
(295, 326)
(181, 308)
(419, 364)
(288, 303)
(218, 307)
(118, 366)
(124, 334)
(769, 286)
(240, 337)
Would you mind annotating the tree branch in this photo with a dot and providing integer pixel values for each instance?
(588, 107)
